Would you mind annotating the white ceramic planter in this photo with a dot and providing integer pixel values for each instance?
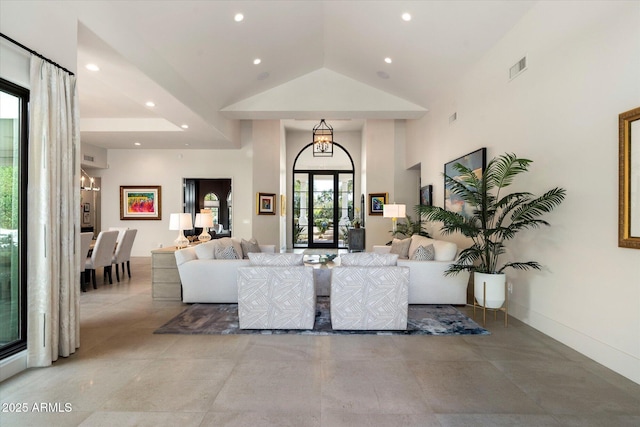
(495, 292)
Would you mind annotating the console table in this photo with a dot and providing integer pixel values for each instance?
(165, 279)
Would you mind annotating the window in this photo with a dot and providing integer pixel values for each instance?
(13, 192)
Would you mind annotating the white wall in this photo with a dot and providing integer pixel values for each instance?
(562, 112)
(168, 168)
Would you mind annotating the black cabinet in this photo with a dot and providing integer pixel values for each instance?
(356, 240)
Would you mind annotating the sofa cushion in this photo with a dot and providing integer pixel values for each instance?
(250, 246)
(368, 259)
(444, 251)
(275, 260)
(401, 247)
(424, 254)
(206, 250)
(226, 252)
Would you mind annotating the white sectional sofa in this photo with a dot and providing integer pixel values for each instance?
(208, 279)
(427, 282)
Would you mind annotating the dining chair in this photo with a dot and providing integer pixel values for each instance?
(123, 252)
(120, 231)
(85, 244)
(102, 255)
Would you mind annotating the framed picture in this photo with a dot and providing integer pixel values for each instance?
(266, 204)
(476, 161)
(140, 202)
(376, 202)
(86, 218)
(86, 207)
(425, 195)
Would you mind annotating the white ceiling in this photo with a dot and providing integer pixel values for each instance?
(320, 59)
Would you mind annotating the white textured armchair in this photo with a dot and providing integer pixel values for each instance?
(369, 292)
(276, 292)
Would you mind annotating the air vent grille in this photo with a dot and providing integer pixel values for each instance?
(88, 158)
(518, 68)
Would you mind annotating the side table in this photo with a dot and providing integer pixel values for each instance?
(356, 240)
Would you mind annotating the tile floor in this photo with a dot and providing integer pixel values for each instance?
(124, 375)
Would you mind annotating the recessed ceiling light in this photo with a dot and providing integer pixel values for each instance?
(150, 104)
(92, 67)
(239, 17)
(257, 61)
(388, 60)
(406, 17)
(186, 144)
(185, 126)
(137, 144)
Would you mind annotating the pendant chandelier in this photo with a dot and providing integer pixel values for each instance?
(322, 140)
(84, 177)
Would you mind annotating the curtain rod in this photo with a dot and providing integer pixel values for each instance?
(35, 53)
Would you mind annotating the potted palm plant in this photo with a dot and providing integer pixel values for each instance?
(495, 218)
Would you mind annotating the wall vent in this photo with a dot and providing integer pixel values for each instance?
(88, 158)
(518, 68)
(453, 118)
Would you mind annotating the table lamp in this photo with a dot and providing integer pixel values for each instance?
(180, 222)
(394, 212)
(205, 221)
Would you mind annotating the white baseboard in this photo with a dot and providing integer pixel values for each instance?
(13, 365)
(623, 363)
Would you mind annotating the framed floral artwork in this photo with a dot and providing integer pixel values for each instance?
(141, 202)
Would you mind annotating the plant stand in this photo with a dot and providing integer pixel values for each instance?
(504, 308)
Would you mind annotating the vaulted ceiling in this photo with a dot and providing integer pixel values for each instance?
(318, 59)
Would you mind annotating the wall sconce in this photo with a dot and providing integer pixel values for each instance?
(322, 140)
(181, 222)
(205, 221)
(394, 212)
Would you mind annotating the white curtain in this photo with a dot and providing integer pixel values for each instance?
(53, 209)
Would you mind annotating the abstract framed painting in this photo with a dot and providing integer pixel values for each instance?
(376, 203)
(140, 202)
(266, 204)
(426, 195)
(476, 161)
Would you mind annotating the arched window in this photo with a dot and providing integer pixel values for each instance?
(212, 203)
(323, 198)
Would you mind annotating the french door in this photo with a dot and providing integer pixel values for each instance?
(323, 208)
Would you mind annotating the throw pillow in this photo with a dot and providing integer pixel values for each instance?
(275, 260)
(228, 241)
(227, 252)
(401, 247)
(368, 259)
(417, 241)
(424, 254)
(250, 246)
(206, 250)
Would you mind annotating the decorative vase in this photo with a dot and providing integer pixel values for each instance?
(495, 292)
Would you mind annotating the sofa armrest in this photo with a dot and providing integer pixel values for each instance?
(185, 255)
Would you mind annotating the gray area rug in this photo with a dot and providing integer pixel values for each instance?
(222, 319)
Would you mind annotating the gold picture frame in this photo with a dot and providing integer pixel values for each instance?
(140, 202)
(628, 195)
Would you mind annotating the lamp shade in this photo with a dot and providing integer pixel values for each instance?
(393, 210)
(204, 220)
(180, 221)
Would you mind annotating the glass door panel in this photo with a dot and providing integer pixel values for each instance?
(301, 210)
(323, 210)
(13, 114)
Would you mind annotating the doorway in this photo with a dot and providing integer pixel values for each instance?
(322, 201)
